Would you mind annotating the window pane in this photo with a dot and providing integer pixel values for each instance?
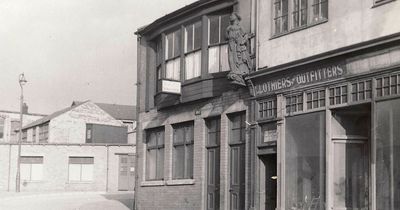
(169, 46)
(74, 172)
(213, 30)
(87, 172)
(179, 135)
(189, 38)
(213, 59)
(224, 25)
(177, 43)
(197, 35)
(305, 160)
(189, 163)
(151, 164)
(189, 65)
(37, 172)
(224, 58)
(160, 164)
(173, 69)
(179, 162)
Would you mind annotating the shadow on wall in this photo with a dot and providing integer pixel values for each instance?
(127, 199)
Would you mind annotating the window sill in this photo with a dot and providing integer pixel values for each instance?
(152, 183)
(80, 182)
(377, 4)
(299, 28)
(180, 182)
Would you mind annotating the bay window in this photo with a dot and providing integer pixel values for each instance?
(193, 50)
(217, 43)
(172, 55)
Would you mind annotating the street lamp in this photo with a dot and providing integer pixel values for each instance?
(22, 82)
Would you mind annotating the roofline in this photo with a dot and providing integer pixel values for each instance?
(177, 14)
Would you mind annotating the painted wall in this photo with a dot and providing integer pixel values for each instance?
(55, 167)
(349, 22)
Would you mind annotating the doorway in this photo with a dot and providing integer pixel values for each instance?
(350, 173)
(126, 175)
(270, 181)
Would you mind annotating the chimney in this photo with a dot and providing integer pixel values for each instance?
(24, 108)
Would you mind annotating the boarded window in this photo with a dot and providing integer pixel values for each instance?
(31, 168)
(183, 151)
(81, 169)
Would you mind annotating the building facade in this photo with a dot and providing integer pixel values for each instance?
(325, 105)
(192, 148)
(79, 148)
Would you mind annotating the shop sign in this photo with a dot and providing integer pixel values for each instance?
(270, 136)
(295, 80)
(168, 86)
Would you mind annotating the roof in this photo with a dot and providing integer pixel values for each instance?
(186, 10)
(117, 111)
(51, 116)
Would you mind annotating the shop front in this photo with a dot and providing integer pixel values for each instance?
(327, 133)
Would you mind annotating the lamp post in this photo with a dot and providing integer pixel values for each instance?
(22, 82)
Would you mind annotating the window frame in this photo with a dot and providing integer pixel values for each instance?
(24, 160)
(185, 143)
(44, 133)
(157, 147)
(90, 160)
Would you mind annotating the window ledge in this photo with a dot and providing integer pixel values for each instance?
(299, 29)
(80, 182)
(152, 183)
(180, 182)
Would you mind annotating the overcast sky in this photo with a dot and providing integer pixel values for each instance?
(72, 50)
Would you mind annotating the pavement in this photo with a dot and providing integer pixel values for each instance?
(66, 201)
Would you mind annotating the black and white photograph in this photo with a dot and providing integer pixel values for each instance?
(200, 105)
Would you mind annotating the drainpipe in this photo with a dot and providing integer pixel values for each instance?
(9, 167)
(108, 168)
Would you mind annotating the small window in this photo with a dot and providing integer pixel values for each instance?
(31, 168)
(81, 169)
(43, 133)
(361, 91)
(213, 131)
(388, 85)
(237, 128)
(338, 95)
(89, 132)
(183, 151)
(315, 99)
(155, 154)
(294, 103)
(267, 109)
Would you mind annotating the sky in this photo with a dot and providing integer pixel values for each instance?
(72, 50)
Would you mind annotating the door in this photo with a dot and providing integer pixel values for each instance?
(237, 177)
(213, 184)
(126, 178)
(270, 181)
(351, 175)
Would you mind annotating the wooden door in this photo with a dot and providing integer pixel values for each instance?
(213, 177)
(237, 177)
(126, 178)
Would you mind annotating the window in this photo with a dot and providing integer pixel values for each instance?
(303, 13)
(43, 133)
(294, 103)
(388, 85)
(193, 50)
(1, 127)
(361, 90)
(89, 130)
(34, 134)
(172, 55)
(155, 154)
(218, 47)
(213, 131)
(183, 151)
(267, 109)
(31, 168)
(238, 128)
(315, 99)
(81, 169)
(338, 95)
(159, 61)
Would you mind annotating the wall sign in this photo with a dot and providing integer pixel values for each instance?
(294, 80)
(168, 86)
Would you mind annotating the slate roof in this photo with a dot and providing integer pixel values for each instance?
(119, 112)
(51, 116)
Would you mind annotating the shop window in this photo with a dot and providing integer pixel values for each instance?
(172, 55)
(267, 109)
(31, 168)
(303, 13)
(294, 103)
(183, 151)
(217, 43)
(193, 50)
(315, 99)
(80, 169)
(386, 86)
(155, 154)
(361, 90)
(338, 95)
(1, 127)
(43, 133)
(388, 155)
(305, 161)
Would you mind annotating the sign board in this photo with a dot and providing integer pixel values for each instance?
(169, 86)
(294, 80)
(270, 136)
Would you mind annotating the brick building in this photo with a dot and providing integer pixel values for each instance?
(79, 148)
(192, 146)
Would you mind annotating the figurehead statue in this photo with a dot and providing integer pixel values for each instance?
(238, 54)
